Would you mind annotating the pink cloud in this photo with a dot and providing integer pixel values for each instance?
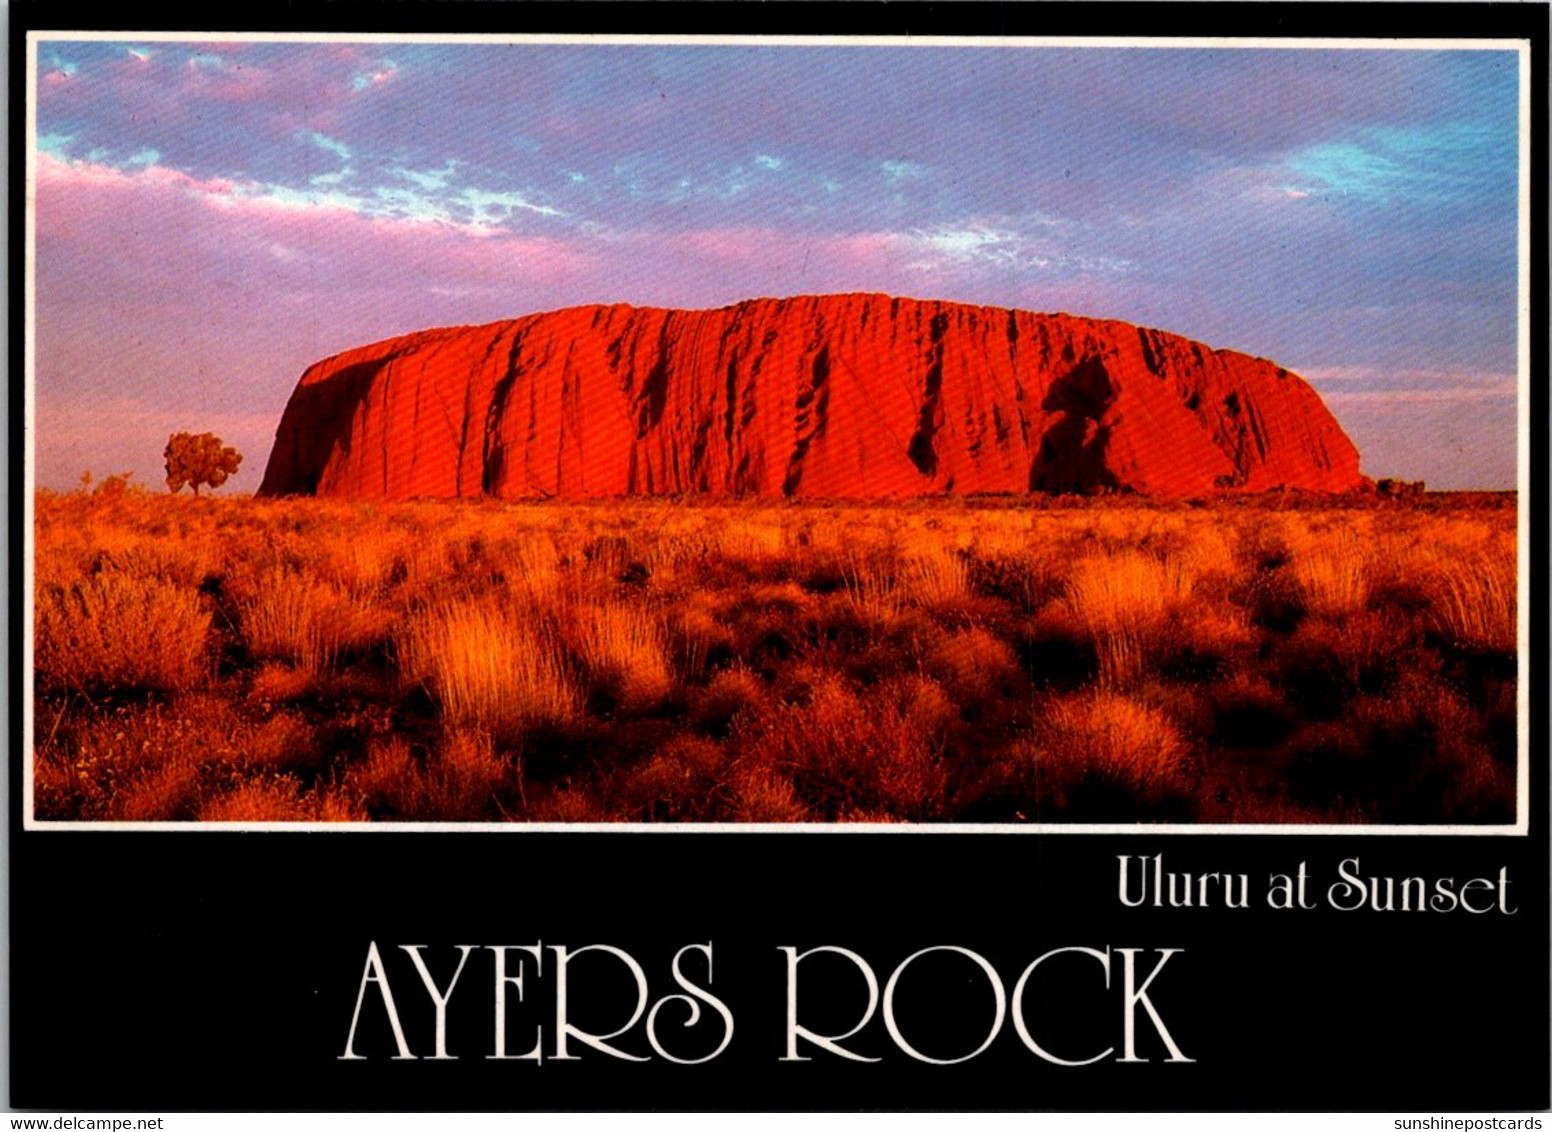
(207, 298)
(283, 93)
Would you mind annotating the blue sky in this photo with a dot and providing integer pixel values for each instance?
(213, 217)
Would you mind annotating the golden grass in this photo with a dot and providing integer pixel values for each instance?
(172, 761)
(974, 665)
(622, 652)
(1475, 602)
(490, 665)
(117, 630)
(1107, 736)
(1333, 573)
(845, 751)
(1123, 601)
(675, 784)
(289, 616)
(243, 659)
(934, 577)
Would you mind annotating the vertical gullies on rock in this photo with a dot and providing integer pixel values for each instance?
(1149, 358)
(652, 394)
(813, 402)
(921, 450)
(492, 454)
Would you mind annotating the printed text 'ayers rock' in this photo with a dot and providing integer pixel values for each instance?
(816, 396)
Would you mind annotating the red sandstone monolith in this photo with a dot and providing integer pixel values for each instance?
(815, 396)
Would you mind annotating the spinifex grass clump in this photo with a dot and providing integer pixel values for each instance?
(1104, 757)
(622, 650)
(849, 754)
(1474, 602)
(490, 664)
(1125, 601)
(114, 630)
(1282, 660)
(291, 616)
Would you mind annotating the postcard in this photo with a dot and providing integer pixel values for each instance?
(941, 568)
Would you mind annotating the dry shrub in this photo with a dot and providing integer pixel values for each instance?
(117, 630)
(159, 763)
(530, 565)
(934, 577)
(622, 652)
(975, 666)
(1105, 751)
(463, 778)
(277, 798)
(1124, 603)
(675, 783)
(1335, 664)
(1363, 652)
(1245, 712)
(459, 781)
(1206, 545)
(695, 635)
(1027, 579)
(1474, 601)
(362, 560)
(333, 804)
(388, 781)
(1333, 573)
(294, 617)
(185, 558)
(427, 566)
(1263, 543)
(870, 585)
(762, 795)
(280, 683)
(730, 693)
(613, 555)
(1415, 754)
(570, 803)
(751, 540)
(844, 751)
(491, 666)
(1425, 725)
(169, 792)
(1126, 590)
(869, 817)
(1216, 628)
(283, 742)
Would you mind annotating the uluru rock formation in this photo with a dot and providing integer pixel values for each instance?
(814, 396)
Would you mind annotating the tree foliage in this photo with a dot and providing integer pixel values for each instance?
(199, 459)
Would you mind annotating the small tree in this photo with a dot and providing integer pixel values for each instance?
(196, 460)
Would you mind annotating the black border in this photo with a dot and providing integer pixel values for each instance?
(152, 972)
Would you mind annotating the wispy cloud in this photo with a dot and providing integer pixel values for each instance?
(1391, 164)
(1375, 385)
(331, 145)
(1036, 244)
(476, 210)
(897, 173)
(384, 72)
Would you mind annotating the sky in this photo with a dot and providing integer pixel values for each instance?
(213, 217)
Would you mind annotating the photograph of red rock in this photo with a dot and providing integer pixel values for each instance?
(984, 434)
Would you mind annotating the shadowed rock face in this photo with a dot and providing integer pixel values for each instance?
(815, 396)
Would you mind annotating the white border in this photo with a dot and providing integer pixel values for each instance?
(1522, 778)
